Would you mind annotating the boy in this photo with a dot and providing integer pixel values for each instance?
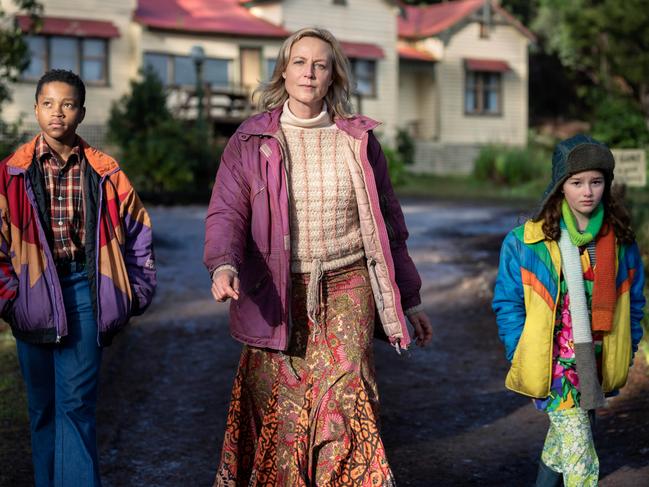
(76, 261)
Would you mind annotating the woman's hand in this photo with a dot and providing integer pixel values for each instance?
(225, 285)
(423, 328)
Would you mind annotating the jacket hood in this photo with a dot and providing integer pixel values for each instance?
(102, 163)
(267, 123)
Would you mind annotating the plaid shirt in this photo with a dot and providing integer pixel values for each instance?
(63, 183)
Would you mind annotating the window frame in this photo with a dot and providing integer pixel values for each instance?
(171, 69)
(375, 92)
(47, 57)
(479, 91)
(105, 63)
(269, 72)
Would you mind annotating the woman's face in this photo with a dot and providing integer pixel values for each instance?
(308, 75)
(583, 191)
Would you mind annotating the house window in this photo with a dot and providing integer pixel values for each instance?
(93, 60)
(37, 58)
(181, 71)
(270, 68)
(216, 72)
(86, 56)
(340, 2)
(483, 92)
(159, 65)
(364, 72)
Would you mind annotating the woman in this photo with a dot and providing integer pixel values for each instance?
(569, 301)
(305, 235)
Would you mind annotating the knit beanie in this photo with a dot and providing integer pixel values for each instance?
(577, 154)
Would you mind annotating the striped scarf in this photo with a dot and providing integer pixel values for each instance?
(603, 302)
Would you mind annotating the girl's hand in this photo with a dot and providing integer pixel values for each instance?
(225, 285)
(423, 328)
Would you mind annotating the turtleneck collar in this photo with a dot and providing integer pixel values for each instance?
(322, 120)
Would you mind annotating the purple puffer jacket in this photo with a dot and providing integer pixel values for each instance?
(247, 226)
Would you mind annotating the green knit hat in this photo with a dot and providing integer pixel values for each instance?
(577, 154)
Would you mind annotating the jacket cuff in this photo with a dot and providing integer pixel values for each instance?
(224, 267)
(414, 310)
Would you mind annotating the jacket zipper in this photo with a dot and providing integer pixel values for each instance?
(48, 254)
(97, 250)
(289, 283)
(379, 297)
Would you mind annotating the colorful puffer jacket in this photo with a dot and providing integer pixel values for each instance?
(118, 248)
(247, 226)
(525, 302)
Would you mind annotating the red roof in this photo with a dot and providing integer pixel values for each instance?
(205, 16)
(431, 20)
(71, 27)
(414, 54)
(491, 65)
(362, 50)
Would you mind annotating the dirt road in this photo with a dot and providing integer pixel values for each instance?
(446, 417)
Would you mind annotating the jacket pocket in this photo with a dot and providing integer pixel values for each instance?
(259, 308)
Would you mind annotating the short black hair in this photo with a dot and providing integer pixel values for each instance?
(64, 76)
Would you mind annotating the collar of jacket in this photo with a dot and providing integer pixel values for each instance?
(267, 123)
(533, 232)
(20, 160)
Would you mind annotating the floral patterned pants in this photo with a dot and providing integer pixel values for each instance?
(569, 448)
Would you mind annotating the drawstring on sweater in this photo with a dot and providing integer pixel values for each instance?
(313, 295)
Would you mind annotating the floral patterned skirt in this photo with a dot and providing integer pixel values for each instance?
(309, 416)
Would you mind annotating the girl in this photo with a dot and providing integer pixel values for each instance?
(568, 301)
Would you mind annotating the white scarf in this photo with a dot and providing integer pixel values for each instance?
(589, 386)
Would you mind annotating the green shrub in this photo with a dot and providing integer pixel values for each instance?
(11, 136)
(484, 166)
(168, 160)
(396, 167)
(510, 166)
(619, 122)
(405, 146)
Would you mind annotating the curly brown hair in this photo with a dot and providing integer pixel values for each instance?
(615, 215)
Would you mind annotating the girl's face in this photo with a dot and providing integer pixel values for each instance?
(583, 191)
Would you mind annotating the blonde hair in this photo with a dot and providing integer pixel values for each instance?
(272, 94)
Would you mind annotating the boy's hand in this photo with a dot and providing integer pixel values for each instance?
(225, 285)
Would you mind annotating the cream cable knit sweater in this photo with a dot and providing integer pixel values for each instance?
(323, 209)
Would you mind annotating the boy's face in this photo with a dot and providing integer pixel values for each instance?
(58, 111)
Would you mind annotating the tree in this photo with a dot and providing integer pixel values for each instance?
(167, 159)
(606, 41)
(14, 58)
(14, 54)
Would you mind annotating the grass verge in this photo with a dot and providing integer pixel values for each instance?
(14, 422)
(467, 188)
(13, 404)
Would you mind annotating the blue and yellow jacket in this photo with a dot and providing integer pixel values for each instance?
(525, 302)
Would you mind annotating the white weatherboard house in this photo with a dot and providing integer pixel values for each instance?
(453, 75)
